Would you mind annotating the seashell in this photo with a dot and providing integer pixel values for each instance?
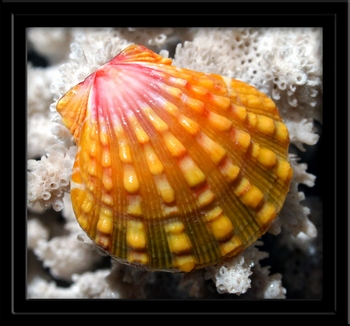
(175, 169)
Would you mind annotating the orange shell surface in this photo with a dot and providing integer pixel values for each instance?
(175, 169)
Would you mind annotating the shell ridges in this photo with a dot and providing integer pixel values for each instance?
(175, 169)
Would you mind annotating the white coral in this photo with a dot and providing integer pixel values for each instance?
(227, 51)
(302, 132)
(233, 275)
(87, 285)
(38, 102)
(294, 215)
(66, 256)
(36, 231)
(286, 64)
(267, 286)
(39, 95)
(52, 43)
(48, 179)
(293, 70)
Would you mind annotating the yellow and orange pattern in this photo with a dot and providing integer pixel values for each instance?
(175, 169)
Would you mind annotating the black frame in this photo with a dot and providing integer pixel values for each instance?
(331, 16)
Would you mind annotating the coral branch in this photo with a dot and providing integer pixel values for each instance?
(286, 64)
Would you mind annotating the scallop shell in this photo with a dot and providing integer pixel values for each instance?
(175, 169)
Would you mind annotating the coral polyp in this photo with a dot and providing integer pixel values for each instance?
(175, 169)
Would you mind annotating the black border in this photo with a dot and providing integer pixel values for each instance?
(331, 16)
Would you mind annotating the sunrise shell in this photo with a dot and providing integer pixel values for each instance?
(175, 169)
